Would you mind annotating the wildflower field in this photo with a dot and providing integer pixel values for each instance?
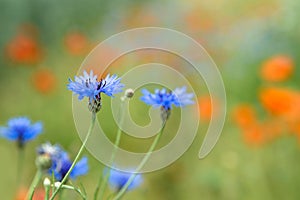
(55, 94)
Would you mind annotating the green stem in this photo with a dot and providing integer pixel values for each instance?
(34, 183)
(77, 156)
(103, 182)
(47, 192)
(20, 166)
(141, 165)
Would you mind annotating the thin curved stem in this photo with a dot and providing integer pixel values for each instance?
(141, 165)
(47, 192)
(34, 183)
(77, 156)
(78, 191)
(20, 166)
(116, 145)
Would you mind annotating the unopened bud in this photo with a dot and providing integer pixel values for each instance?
(57, 184)
(43, 162)
(129, 93)
(47, 182)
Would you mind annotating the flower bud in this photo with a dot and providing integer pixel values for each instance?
(43, 162)
(47, 182)
(57, 184)
(129, 93)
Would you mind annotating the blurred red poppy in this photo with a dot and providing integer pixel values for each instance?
(254, 135)
(24, 48)
(244, 116)
(44, 81)
(22, 193)
(205, 106)
(277, 68)
(76, 43)
(279, 101)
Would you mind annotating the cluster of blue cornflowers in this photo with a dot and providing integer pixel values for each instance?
(54, 161)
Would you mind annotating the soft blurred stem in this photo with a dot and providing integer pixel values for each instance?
(20, 166)
(47, 192)
(103, 181)
(34, 183)
(77, 156)
(141, 165)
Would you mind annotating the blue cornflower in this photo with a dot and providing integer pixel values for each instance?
(21, 130)
(118, 179)
(88, 86)
(165, 99)
(61, 163)
(61, 166)
(53, 151)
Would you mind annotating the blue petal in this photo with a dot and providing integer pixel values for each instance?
(118, 179)
(81, 168)
(33, 131)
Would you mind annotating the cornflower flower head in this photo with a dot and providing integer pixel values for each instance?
(165, 99)
(47, 155)
(53, 151)
(61, 166)
(118, 179)
(89, 86)
(21, 130)
(61, 163)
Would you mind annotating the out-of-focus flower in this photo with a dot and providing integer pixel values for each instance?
(76, 43)
(21, 130)
(259, 133)
(88, 86)
(244, 116)
(44, 81)
(24, 49)
(165, 99)
(254, 135)
(199, 20)
(277, 68)
(61, 163)
(61, 167)
(279, 101)
(118, 179)
(39, 194)
(54, 151)
(207, 106)
(139, 16)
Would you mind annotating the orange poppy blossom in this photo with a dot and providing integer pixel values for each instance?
(277, 68)
(44, 81)
(139, 16)
(76, 43)
(254, 135)
(263, 132)
(244, 116)
(279, 101)
(22, 194)
(199, 21)
(207, 106)
(256, 132)
(24, 48)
